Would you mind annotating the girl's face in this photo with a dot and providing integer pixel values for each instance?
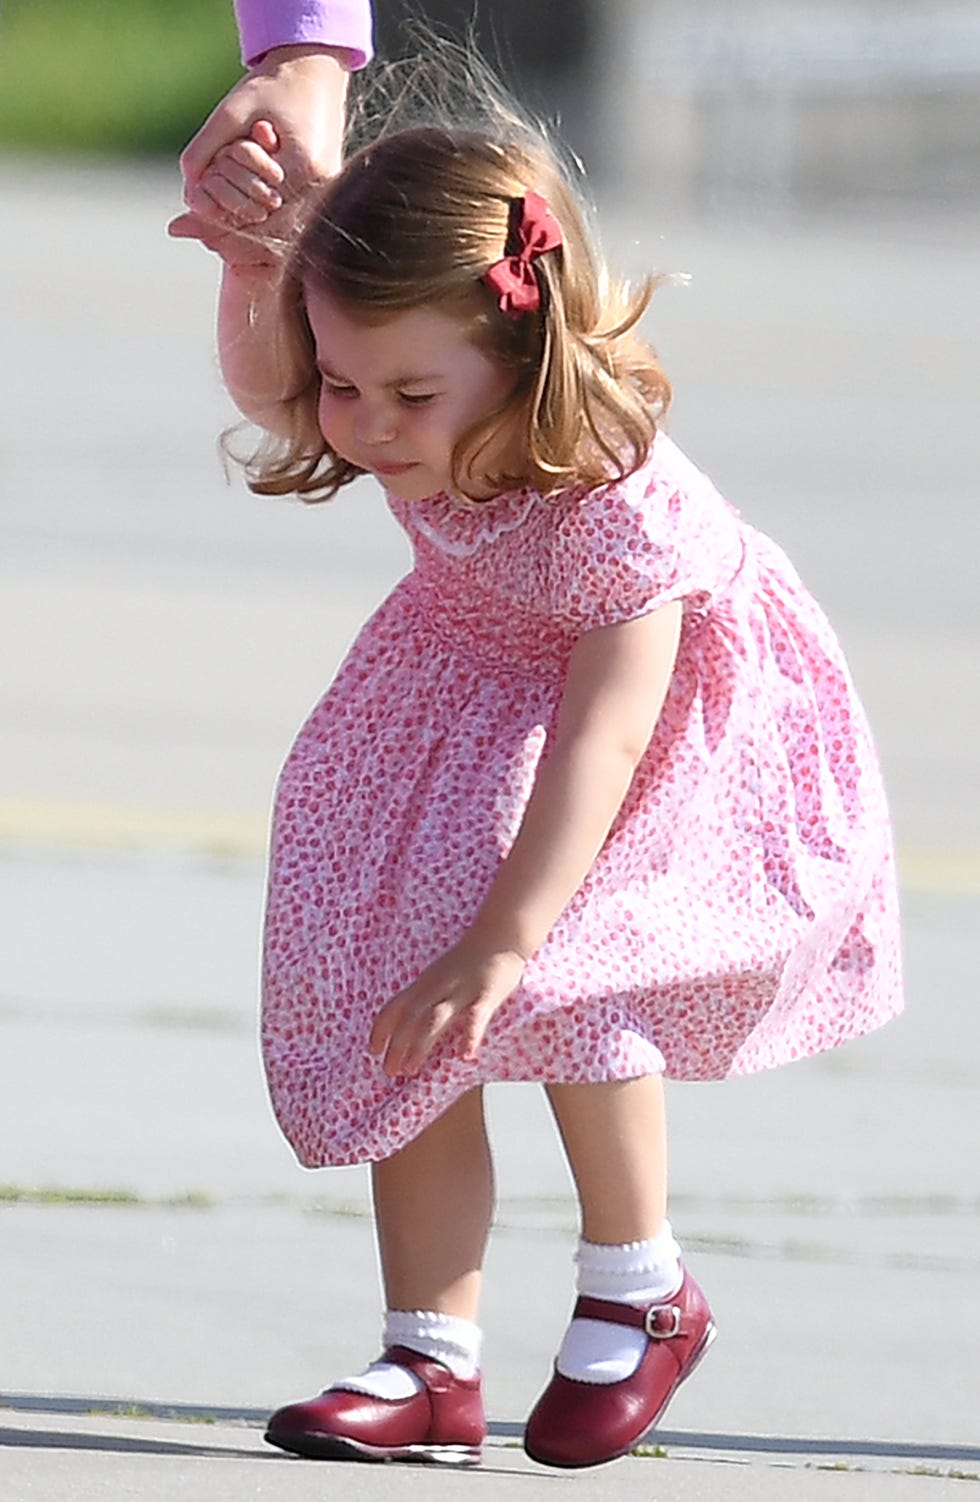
(396, 396)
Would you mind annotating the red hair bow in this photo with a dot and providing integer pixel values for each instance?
(514, 279)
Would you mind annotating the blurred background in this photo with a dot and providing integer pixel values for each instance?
(828, 101)
(814, 167)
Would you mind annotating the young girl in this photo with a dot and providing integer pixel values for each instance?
(591, 800)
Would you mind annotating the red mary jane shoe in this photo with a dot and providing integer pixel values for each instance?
(584, 1423)
(443, 1423)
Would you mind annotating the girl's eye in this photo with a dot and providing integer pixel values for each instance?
(417, 399)
(331, 389)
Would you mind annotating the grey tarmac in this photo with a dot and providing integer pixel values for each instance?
(161, 1253)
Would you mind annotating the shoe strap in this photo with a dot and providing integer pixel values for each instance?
(661, 1321)
(435, 1376)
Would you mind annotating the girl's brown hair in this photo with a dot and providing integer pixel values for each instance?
(416, 217)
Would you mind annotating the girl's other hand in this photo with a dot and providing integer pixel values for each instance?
(458, 995)
(243, 182)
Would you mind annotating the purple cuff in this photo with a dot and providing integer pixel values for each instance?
(263, 24)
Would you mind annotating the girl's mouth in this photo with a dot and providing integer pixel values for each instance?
(391, 469)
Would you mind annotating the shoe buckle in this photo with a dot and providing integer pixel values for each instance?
(662, 1321)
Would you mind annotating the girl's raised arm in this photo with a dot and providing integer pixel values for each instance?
(617, 681)
(258, 360)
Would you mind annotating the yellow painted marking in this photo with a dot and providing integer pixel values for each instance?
(954, 873)
(111, 827)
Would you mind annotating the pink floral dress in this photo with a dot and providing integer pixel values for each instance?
(742, 912)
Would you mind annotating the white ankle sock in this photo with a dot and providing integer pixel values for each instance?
(442, 1337)
(636, 1272)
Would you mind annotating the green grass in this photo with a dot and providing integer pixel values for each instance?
(944, 1475)
(111, 76)
(24, 1194)
(937, 1473)
(137, 1411)
(56, 1194)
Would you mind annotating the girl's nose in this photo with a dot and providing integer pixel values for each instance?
(376, 426)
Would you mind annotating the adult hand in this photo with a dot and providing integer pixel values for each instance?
(459, 993)
(302, 91)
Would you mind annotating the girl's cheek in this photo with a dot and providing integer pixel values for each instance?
(327, 420)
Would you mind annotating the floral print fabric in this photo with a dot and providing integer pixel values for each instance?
(742, 912)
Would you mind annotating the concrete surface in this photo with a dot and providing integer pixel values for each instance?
(86, 1457)
(164, 635)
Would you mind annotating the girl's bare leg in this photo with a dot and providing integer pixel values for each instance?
(433, 1204)
(615, 1139)
(615, 1374)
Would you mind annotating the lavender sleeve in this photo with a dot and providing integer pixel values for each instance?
(263, 24)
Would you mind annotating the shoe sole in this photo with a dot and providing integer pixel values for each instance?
(338, 1447)
(711, 1330)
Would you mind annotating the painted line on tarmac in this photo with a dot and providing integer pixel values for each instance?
(947, 873)
(116, 827)
(758, 1444)
(141, 828)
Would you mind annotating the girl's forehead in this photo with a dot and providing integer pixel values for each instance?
(329, 313)
(424, 335)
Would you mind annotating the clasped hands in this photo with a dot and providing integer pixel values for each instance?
(272, 137)
(237, 209)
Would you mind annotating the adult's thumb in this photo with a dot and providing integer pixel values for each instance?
(223, 125)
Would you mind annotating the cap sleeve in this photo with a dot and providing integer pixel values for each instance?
(626, 549)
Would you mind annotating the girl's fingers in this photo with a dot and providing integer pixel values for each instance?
(231, 191)
(194, 227)
(415, 1035)
(408, 1043)
(408, 1028)
(477, 1022)
(231, 187)
(385, 1024)
(457, 995)
(186, 227)
(245, 162)
(245, 180)
(264, 134)
(418, 1036)
(246, 254)
(241, 194)
(217, 199)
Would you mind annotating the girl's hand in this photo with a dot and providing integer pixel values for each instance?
(243, 182)
(459, 993)
(254, 258)
(224, 219)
